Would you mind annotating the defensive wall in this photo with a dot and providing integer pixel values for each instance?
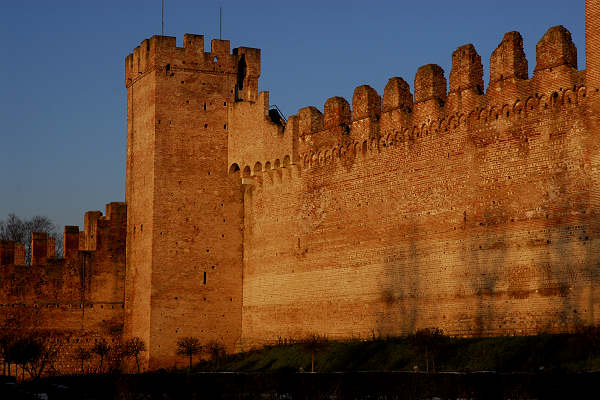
(78, 299)
(460, 207)
(472, 211)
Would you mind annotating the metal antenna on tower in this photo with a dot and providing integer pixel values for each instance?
(220, 22)
(162, 19)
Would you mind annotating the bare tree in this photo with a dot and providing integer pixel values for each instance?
(49, 344)
(17, 324)
(82, 355)
(101, 349)
(25, 351)
(216, 351)
(133, 348)
(12, 229)
(18, 230)
(189, 346)
(313, 344)
(430, 342)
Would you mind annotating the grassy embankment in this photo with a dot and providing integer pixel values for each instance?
(564, 352)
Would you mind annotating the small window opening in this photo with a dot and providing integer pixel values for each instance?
(225, 126)
(206, 125)
(215, 59)
(204, 106)
(205, 278)
(182, 82)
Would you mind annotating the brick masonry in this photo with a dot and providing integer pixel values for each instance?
(471, 211)
(78, 299)
(474, 210)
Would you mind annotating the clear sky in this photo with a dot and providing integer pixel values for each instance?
(62, 94)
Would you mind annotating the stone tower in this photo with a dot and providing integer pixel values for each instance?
(185, 214)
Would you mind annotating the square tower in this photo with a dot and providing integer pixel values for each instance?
(185, 214)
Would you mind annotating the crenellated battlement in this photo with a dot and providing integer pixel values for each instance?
(450, 205)
(161, 53)
(508, 61)
(556, 49)
(100, 230)
(556, 86)
(11, 253)
(100, 233)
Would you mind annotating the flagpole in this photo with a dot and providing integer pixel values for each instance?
(162, 19)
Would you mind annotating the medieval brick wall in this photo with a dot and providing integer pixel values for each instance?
(78, 299)
(475, 213)
(473, 210)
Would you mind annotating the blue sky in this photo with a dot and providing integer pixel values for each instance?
(62, 97)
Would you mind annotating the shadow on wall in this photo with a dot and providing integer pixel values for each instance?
(517, 269)
(570, 265)
(400, 285)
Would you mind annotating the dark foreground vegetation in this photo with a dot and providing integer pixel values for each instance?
(426, 365)
(426, 351)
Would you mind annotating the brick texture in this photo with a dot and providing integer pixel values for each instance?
(78, 299)
(184, 233)
(475, 210)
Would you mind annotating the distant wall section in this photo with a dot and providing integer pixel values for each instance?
(79, 298)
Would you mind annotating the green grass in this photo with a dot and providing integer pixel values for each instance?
(544, 352)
